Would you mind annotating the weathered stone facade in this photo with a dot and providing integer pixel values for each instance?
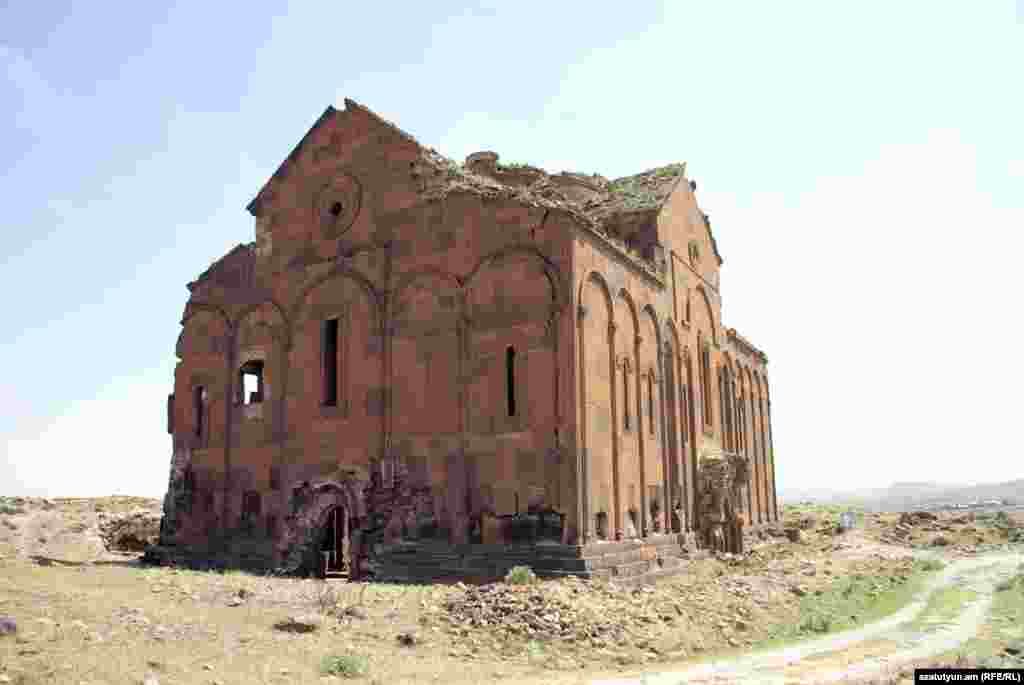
(462, 357)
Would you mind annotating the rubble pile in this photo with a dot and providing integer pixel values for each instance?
(569, 610)
(133, 531)
(725, 600)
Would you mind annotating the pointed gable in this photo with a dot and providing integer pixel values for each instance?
(329, 114)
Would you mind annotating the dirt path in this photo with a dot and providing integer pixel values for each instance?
(863, 652)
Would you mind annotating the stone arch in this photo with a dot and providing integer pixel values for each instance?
(560, 295)
(767, 458)
(753, 443)
(628, 448)
(345, 295)
(711, 313)
(727, 401)
(296, 546)
(648, 309)
(657, 456)
(408, 278)
(631, 308)
(596, 322)
(266, 341)
(424, 326)
(243, 313)
(337, 271)
(511, 301)
(601, 282)
(681, 433)
(195, 310)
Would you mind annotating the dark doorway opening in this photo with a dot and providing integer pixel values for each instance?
(334, 545)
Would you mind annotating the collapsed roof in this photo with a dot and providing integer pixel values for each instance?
(613, 207)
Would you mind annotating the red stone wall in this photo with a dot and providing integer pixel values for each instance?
(429, 295)
(634, 327)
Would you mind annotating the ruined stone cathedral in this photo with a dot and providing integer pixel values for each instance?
(429, 369)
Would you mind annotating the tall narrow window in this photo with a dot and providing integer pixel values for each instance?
(625, 394)
(250, 382)
(650, 401)
(198, 395)
(510, 380)
(329, 354)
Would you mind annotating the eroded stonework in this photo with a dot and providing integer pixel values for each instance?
(445, 368)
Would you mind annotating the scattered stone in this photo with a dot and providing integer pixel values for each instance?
(793, 534)
(355, 612)
(235, 601)
(306, 623)
(407, 639)
(8, 626)
(940, 541)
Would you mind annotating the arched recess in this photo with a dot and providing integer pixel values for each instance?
(295, 549)
(708, 313)
(679, 432)
(596, 359)
(759, 440)
(727, 402)
(349, 432)
(767, 459)
(202, 347)
(424, 326)
(651, 365)
(746, 404)
(261, 336)
(551, 271)
(627, 456)
(257, 369)
(426, 346)
(201, 393)
(511, 302)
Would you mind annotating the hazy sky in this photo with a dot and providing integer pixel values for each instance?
(862, 162)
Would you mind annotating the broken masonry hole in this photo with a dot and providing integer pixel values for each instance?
(336, 209)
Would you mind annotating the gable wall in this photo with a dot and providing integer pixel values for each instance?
(429, 296)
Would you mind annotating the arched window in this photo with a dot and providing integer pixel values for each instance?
(510, 379)
(705, 378)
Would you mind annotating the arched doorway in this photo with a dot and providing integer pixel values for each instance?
(334, 544)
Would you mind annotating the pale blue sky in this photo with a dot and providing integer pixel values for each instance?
(863, 165)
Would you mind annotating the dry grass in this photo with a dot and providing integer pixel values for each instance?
(96, 618)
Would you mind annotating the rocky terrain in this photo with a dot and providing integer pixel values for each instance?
(82, 610)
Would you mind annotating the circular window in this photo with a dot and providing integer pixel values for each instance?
(338, 205)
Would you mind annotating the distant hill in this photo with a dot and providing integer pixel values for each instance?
(902, 496)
